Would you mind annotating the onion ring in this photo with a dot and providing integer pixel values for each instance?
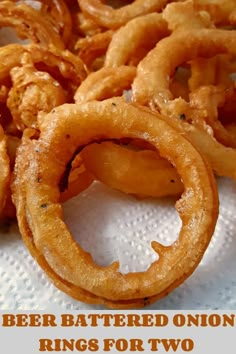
(59, 11)
(182, 16)
(222, 12)
(33, 93)
(62, 65)
(198, 207)
(105, 83)
(5, 169)
(208, 99)
(29, 24)
(211, 71)
(108, 17)
(141, 173)
(151, 85)
(92, 47)
(144, 31)
(221, 158)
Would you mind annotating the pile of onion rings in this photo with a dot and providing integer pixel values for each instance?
(140, 97)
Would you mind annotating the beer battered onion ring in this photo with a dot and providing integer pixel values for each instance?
(154, 72)
(108, 17)
(141, 173)
(58, 14)
(93, 47)
(64, 132)
(209, 99)
(59, 11)
(223, 12)
(105, 83)
(29, 24)
(62, 65)
(33, 93)
(5, 169)
(99, 158)
(144, 31)
(221, 158)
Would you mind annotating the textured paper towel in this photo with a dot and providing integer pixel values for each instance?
(114, 226)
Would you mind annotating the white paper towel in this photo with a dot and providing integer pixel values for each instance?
(114, 226)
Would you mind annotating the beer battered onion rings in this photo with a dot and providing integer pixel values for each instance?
(62, 65)
(105, 83)
(154, 72)
(140, 33)
(108, 17)
(140, 173)
(75, 126)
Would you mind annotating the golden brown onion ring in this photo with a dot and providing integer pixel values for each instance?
(223, 12)
(221, 158)
(5, 169)
(206, 100)
(60, 13)
(57, 13)
(141, 173)
(29, 24)
(182, 15)
(125, 175)
(33, 93)
(211, 71)
(108, 17)
(62, 65)
(154, 72)
(105, 83)
(83, 26)
(141, 32)
(37, 202)
(93, 47)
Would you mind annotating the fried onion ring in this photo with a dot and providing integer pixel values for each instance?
(223, 12)
(221, 158)
(154, 72)
(92, 47)
(144, 31)
(5, 169)
(182, 15)
(59, 11)
(108, 17)
(62, 65)
(211, 71)
(141, 173)
(208, 99)
(37, 202)
(29, 24)
(32, 94)
(105, 83)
